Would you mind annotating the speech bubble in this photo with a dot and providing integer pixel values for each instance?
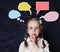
(13, 14)
(24, 6)
(42, 6)
(50, 16)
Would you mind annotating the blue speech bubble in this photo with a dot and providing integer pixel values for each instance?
(13, 14)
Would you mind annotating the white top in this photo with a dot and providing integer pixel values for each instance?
(31, 48)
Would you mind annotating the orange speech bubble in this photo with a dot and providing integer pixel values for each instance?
(42, 6)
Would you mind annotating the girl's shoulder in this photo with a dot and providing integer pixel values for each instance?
(46, 43)
(22, 44)
(21, 47)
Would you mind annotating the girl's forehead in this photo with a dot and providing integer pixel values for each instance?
(33, 23)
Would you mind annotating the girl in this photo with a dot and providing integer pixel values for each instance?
(34, 41)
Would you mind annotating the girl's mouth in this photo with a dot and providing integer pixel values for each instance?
(34, 34)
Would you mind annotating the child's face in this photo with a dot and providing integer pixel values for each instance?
(33, 28)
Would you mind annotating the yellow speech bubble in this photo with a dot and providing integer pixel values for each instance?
(24, 6)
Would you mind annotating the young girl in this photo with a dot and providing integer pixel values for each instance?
(34, 41)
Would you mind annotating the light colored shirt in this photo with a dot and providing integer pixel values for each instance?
(31, 48)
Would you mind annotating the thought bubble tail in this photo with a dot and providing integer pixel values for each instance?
(30, 12)
(37, 12)
(41, 17)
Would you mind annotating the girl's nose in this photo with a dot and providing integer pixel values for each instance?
(34, 30)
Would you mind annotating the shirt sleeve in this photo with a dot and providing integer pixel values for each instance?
(46, 49)
(21, 47)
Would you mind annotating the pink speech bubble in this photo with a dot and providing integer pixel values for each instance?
(42, 6)
(50, 16)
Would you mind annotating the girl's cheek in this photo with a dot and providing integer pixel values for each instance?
(37, 33)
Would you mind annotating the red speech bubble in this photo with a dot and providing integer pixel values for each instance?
(42, 6)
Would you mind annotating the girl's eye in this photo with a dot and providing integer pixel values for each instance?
(37, 28)
(30, 27)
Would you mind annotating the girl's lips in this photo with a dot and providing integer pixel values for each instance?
(34, 34)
